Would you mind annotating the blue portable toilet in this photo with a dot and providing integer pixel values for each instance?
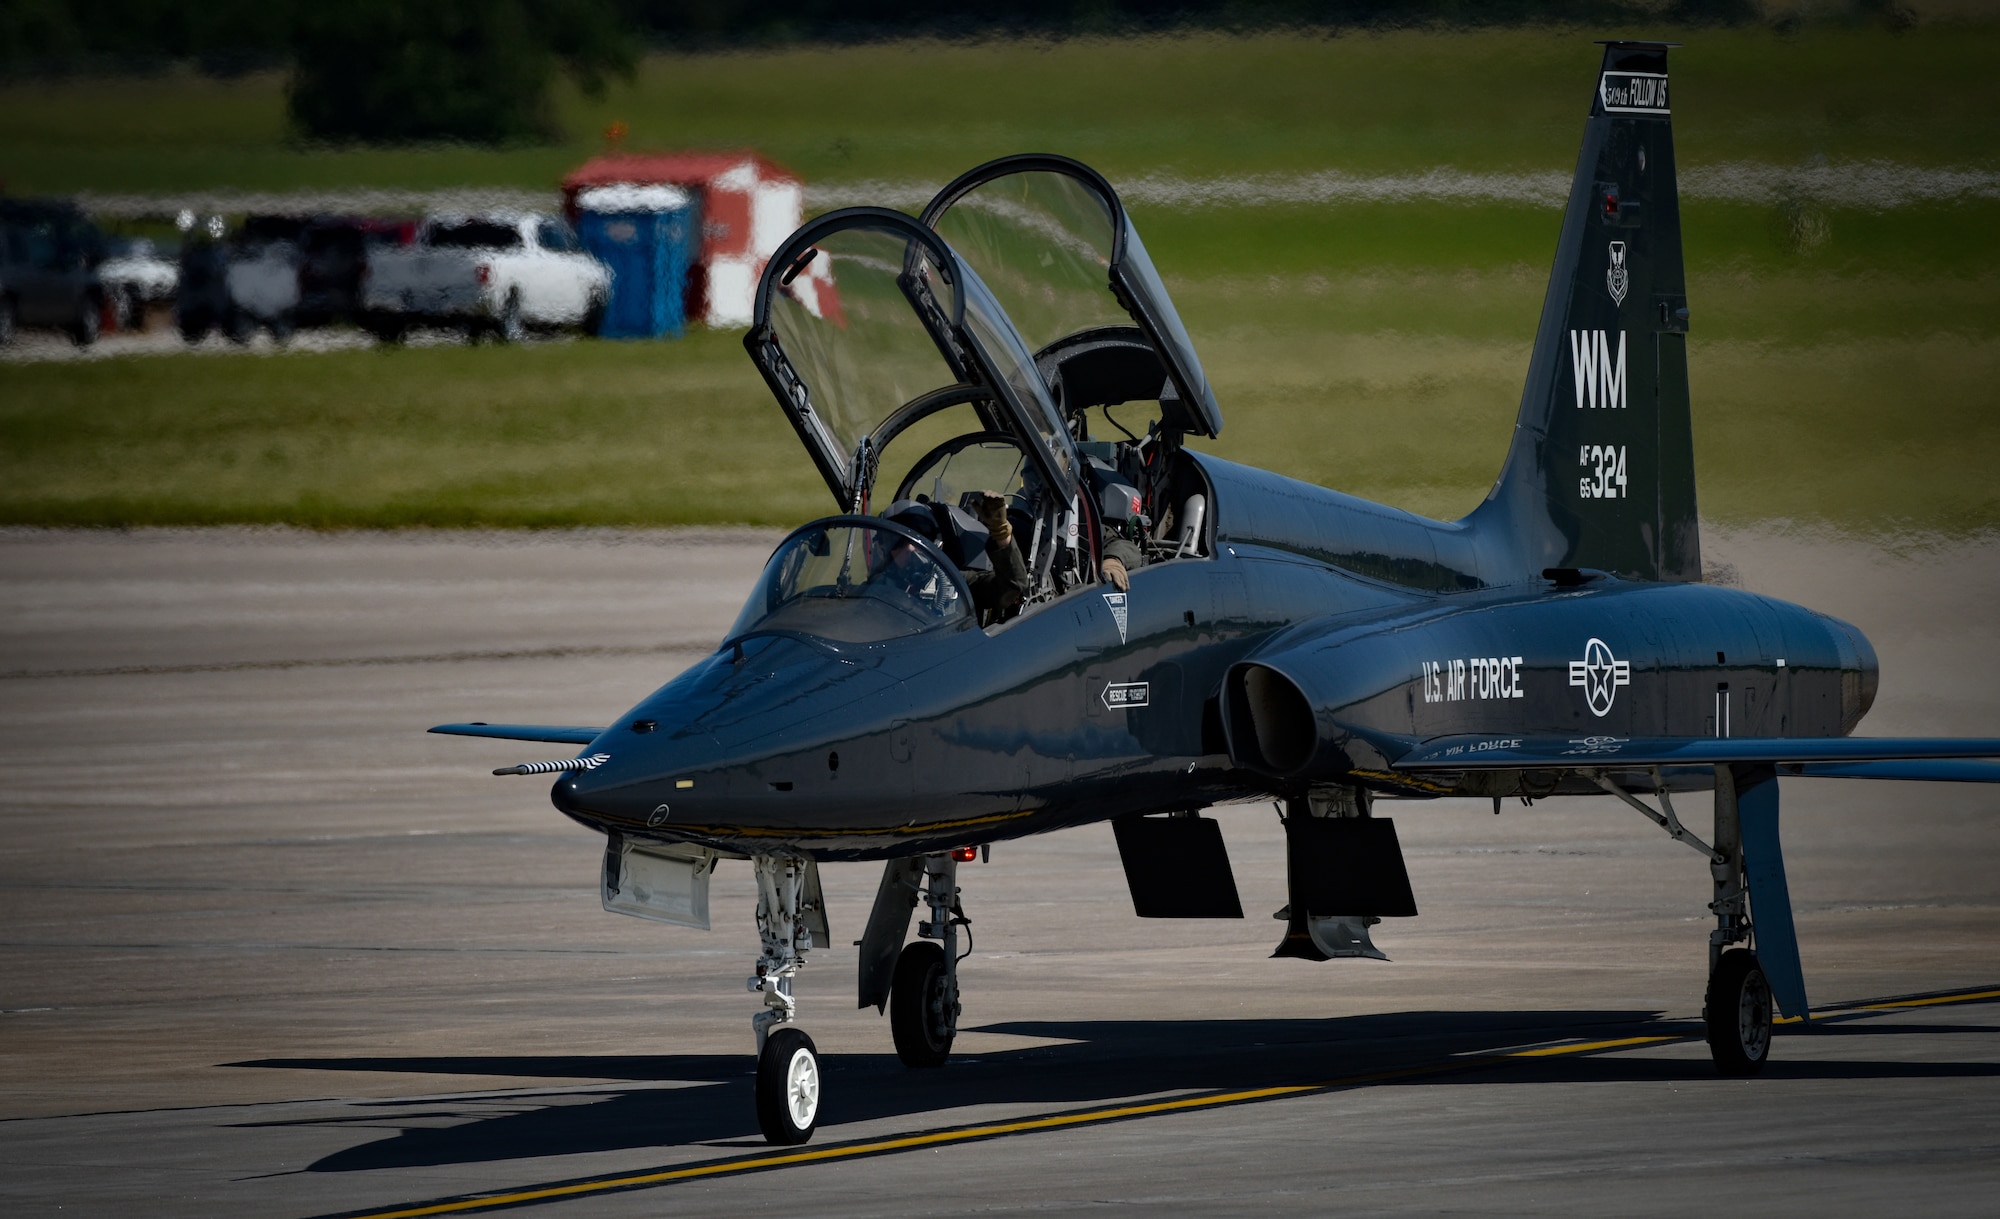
(648, 236)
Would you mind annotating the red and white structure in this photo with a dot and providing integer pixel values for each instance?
(749, 205)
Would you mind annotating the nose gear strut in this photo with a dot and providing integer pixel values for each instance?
(791, 921)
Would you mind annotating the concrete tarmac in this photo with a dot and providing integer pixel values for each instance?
(268, 949)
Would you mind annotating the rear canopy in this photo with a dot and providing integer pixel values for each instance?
(1049, 236)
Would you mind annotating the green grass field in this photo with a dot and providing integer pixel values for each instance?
(1379, 348)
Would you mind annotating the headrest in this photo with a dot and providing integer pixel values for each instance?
(1119, 503)
(962, 537)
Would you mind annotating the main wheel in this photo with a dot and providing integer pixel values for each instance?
(788, 1087)
(1738, 1012)
(923, 1006)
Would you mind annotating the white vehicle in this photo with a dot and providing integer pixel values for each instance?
(263, 284)
(135, 276)
(500, 273)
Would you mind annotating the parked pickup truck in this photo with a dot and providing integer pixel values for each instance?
(499, 273)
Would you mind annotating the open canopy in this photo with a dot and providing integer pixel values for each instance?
(866, 321)
(1051, 240)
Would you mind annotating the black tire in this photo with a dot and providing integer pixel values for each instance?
(387, 328)
(510, 328)
(1738, 1013)
(239, 327)
(788, 1087)
(10, 321)
(593, 319)
(923, 1006)
(89, 319)
(128, 312)
(194, 325)
(282, 328)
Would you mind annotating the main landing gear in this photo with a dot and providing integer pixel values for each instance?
(790, 911)
(923, 999)
(1738, 1008)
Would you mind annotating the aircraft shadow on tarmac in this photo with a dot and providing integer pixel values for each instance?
(1103, 1061)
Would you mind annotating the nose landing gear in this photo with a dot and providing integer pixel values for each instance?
(791, 921)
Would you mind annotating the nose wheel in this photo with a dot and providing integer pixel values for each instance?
(788, 1087)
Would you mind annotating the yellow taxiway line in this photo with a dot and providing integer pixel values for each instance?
(1968, 997)
(967, 1134)
(1552, 1050)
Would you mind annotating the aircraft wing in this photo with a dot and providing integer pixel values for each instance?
(1935, 758)
(1935, 770)
(556, 733)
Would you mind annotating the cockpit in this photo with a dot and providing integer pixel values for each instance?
(855, 579)
(950, 364)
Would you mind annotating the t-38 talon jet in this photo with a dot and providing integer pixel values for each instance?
(887, 695)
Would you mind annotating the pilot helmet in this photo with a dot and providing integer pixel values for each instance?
(913, 515)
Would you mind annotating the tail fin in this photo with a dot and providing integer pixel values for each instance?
(1601, 471)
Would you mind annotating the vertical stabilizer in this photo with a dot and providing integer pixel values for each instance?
(1601, 470)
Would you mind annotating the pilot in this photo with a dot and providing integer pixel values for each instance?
(999, 591)
(1119, 506)
(982, 547)
(906, 570)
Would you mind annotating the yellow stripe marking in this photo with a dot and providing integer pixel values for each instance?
(965, 1134)
(860, 1149)
(1587, 1046)
(1967, 997)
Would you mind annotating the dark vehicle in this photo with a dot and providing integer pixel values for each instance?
(239, 284)
(333, 256)
(1258, 639)
(49, 254)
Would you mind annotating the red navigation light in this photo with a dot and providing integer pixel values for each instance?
(965, 854)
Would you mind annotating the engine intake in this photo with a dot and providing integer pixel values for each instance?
(1268, 720)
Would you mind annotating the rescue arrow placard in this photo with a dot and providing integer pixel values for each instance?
(1122, 695)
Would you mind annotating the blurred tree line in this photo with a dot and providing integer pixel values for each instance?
(395, 71)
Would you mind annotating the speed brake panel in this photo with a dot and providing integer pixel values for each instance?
(1177, 867)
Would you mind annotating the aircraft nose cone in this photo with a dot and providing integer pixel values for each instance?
(629, 783)
(568, 796)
